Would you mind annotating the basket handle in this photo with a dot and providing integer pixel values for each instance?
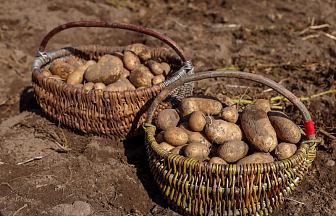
(309, 126)
(109, 24)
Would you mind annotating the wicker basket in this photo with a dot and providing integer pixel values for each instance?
(195, 188)
(117, 115)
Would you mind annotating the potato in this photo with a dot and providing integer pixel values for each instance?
(217, 160)
(220, 131)
(197, 121)
(195, 136)
(141, 76)
(88, 86)
(76, 62)
(166, 146)
(131, 61)
(258, 128)
(285, 128)
(166, 119)
(46, 72)
(284, 150)
(176, 136)
(117, 86)
(128, 84)
(179, 150)
(155, 67)
(98, 86)
(78, 85)
(158, 79)
(90, 62)
(229, 114)
(160, 137)
(166, 68)
(56, 77)
(77, 76)
(140, 50)
(197, 151)
(226, 100)
(258, 157)
(125, 73)
(111, 58)
(105, 72)
(233, 150)
(61, 69)
(264, 104)
(120, 55)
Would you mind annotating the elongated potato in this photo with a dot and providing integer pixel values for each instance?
(220, 131)
(111, 58)
(155, 67)
(264, 104)
(176, 136)
(61, 69)
(258, 157)
(167, 118)
(217, 160)
(197, 151)
(131, 61)
(117, 86)
(166, 146)
(99, 86)
(105, 72)
(141, 76)
(140, 50)
(229, 114)
(284, 150)
(233, 150)
(284, 127)
(77, 76)
(258, 128)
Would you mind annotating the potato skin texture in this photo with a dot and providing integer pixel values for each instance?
(99, 86)
(167, 118)
(117, 86)
(264, 104)
(176, 136)
(77, 76)
(229, 114)
(88, 86)
(284, 150)
(285, 128)
(46, 72)
(158, 79)
(131, 61)
(111, 58)
(258, 128)
(166, 146)
(105, 72)
(166, 68)
(141, 77)
(197, 151)
(160, 137)
(140, 50)
(233, 150)
(197, 121)
(258, 157)
(179, 150)
(193, 136)
(61, 69)
(217, 160)
(220, 131)
(155, 67)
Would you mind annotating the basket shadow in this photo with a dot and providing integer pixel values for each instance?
(28, 102)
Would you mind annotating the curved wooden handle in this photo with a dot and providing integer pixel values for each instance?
(309, 126)
(108, 24)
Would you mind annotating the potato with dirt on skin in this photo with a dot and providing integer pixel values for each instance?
(128, 84)
(166, 119)
(176, 136)
(179, 150)
(197, 151)
(166, 68)
(90, 62)
(125, 73)
(258, 157)
(88, 86)
(195, 136)
(105, 72)
(46, 72)
(233, 150)
(166, 146)
(77, 76)
(131, 61)
(74, 61)
(197, 121)
(141, 50)
(229, 114)
(141, 76)
(158, 79)
(111, 58)
(264, 104)
(284, 150)
(61, 69)
(120, 55)
(116, 86)
(285, 128)
(159, 138)
(258, 128)
(155, 67)
(220, 131)
(217, 160)
(99, 86)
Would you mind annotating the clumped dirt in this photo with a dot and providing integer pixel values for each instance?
(291, 42)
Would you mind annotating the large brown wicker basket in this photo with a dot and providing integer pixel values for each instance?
(195, 188)
(117, 115)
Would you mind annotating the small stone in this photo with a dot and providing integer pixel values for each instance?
(330, 163)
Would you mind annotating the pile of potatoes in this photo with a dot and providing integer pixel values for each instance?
(214, 131)
(134, 68)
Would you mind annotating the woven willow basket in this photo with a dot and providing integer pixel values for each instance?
(117, 115)
(195, 188)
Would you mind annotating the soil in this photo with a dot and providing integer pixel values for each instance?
(282, 40)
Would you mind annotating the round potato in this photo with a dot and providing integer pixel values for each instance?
(160, 137)
(167, 118)
(111, 58)
(141, 76)
(264, 104)
(77, 76)
(220, 131)
(179, 150)
(155, 67)
(258, 157)
(197, 151)
(285, 128)
(98, 86)
(176, 136)
(233, 150)
(166, 68)
(105, 72)
(88, 86)
(61, 69)
(197, 121)
(284, 150)
(158, 79)
(229, 114)
(217, 160)
(258, 128)
(140, 50)
(166, 146)
(131, 61)
(46, 72)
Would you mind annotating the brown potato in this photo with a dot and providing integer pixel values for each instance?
(166, 68)
(120, 55)
(141, 77)
(125, 73)
(179, 150)
(88, 86)
(111, 58)
(61, 69)
(167, 118)
(90, 62)
(176, 136)
(117, 86)
(155, 67)
(217, 160)
(220, 131)
(140, 50)
(78, 85)
(105, 72)
(56, 77)
(197, 151)
(197, 121)
(46, 72)
(128, 84)
(264, 104)
(193, 136)
(158, 79)
(77, 76)
(258, 157)
(98, 86)
(160, 137)
(166, 146)
(285, 128)
(226, 100)
(284, 150)
(229, 114)
(233, 150)
(258, 128)
(131, 61)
